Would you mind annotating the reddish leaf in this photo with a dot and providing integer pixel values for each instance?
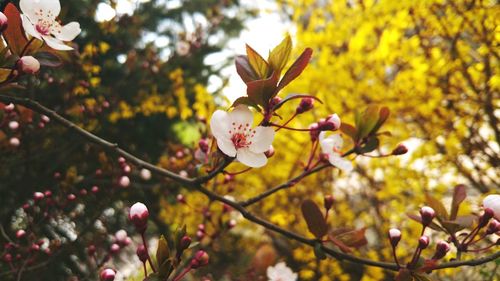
(245, 101)
(244, 69)
(260, 91)
(459, 195)
(314, 218)
(296, 69)
(419, 219)
(279, 56)
(435, 204)
(428, 265)
(14, 34)
(383, 116)
(337, 242)
(367, 121)
(352, 238)
(259, 64)
(349, 130)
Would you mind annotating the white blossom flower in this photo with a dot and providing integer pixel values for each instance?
(492, 201)
(40, 21)
(236, 138)
(331, 146)
(281, 272)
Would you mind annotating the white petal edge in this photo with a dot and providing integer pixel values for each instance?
(241, 114)
(56, 44)
(341, 163)
(227, 147)
(262, 140)
(29, 27)
(219, 125)
(69, 31)
(250, 159)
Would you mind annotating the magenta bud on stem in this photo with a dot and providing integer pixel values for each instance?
(394, 236)
(139, 215)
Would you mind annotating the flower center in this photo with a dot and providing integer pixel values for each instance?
(43, 28)
(241, 135)
(45, 21)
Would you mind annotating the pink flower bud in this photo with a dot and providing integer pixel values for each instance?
(485, 217)
(274, 101)
(400, 150)
(493, 227)
(200, 234)
(47, 193)
(121, 160)
(120, 236)
(180, 198)
(145, 174)
(71, 197)
(37, 196)
(183, 174)
(45, 119)
(423, 242)
(139, 216)
(94, 189)
(83, 192)
(20, 233)
(492, 202)
(107, 275)
(91, 250)
(124, 181)
(441, 249)
(203, 144)
(142, 253)
(4, 22)
(201, 227)
(9, 108)
(394, 236)
(15, 142)
(231, 223)
(427, 214)
(28, 64)
(200, 259)
(306, 104)
(7, 258)
(126, 169)
(328, 201)
(331, 123)
(270, 152)
(185, 242)
(34, 247)
(114, 249)
(314, 131)
(13, 125)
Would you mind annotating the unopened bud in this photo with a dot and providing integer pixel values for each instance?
(485, 217)
(115, 248)
(275, 101)
(200, 259)
(121, 236)
(124, 181)
(423, 242)
(306, 104)
(328, 201)
(427, 214)
(7, 258)
(270, 152)
(400, 150)
(20, 233)
(126, 169)
(71, 197)
(493, 227)
(13, 125)
(9, 108)
(37, 196)
(181, 199)
(4, 22)
(441, 249)
(94, 189)
(394, 236)
(15, 142)
(314, 131)
(28, 64)
(139, 216)
(331, 123)
(185, 242)
(142, 253)
(492, 201)
(145, 174)
(231, 223)
(203, 144)
(107, 274)
(91, 250)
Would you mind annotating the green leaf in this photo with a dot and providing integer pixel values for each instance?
(296, 69)
(314, 218)
(383, 116)
(244, 69)
(278, 58)
(4, 73)
(163, 252)
(165, 269)
(318, 252)
(259, 65)
(367, 121)
(294, 96)
(349, 130)
(246, 101)
(459, 195)
(435, 204)
(14, 34)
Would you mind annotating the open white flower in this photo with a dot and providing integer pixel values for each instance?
(40, 21)
(331, 146)
(281, 272)
(236, 137)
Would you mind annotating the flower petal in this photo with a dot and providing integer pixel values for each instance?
(29, 27)
(254, 160)
(220, 125)
(262, 140)
(241, 115)
(339, 162)
(50, 8)
(226, 146)
(56, 43)
(69, 31)
(331, 143)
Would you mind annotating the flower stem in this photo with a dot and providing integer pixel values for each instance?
(147, 251)
(288, 121)
(182, 274)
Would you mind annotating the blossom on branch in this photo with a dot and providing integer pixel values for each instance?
(280, 272)
(40, 21)
(331, 146)
(236, 137)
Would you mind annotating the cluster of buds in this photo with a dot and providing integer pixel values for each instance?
(330, 123)
(200, 259)
(124, 180)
